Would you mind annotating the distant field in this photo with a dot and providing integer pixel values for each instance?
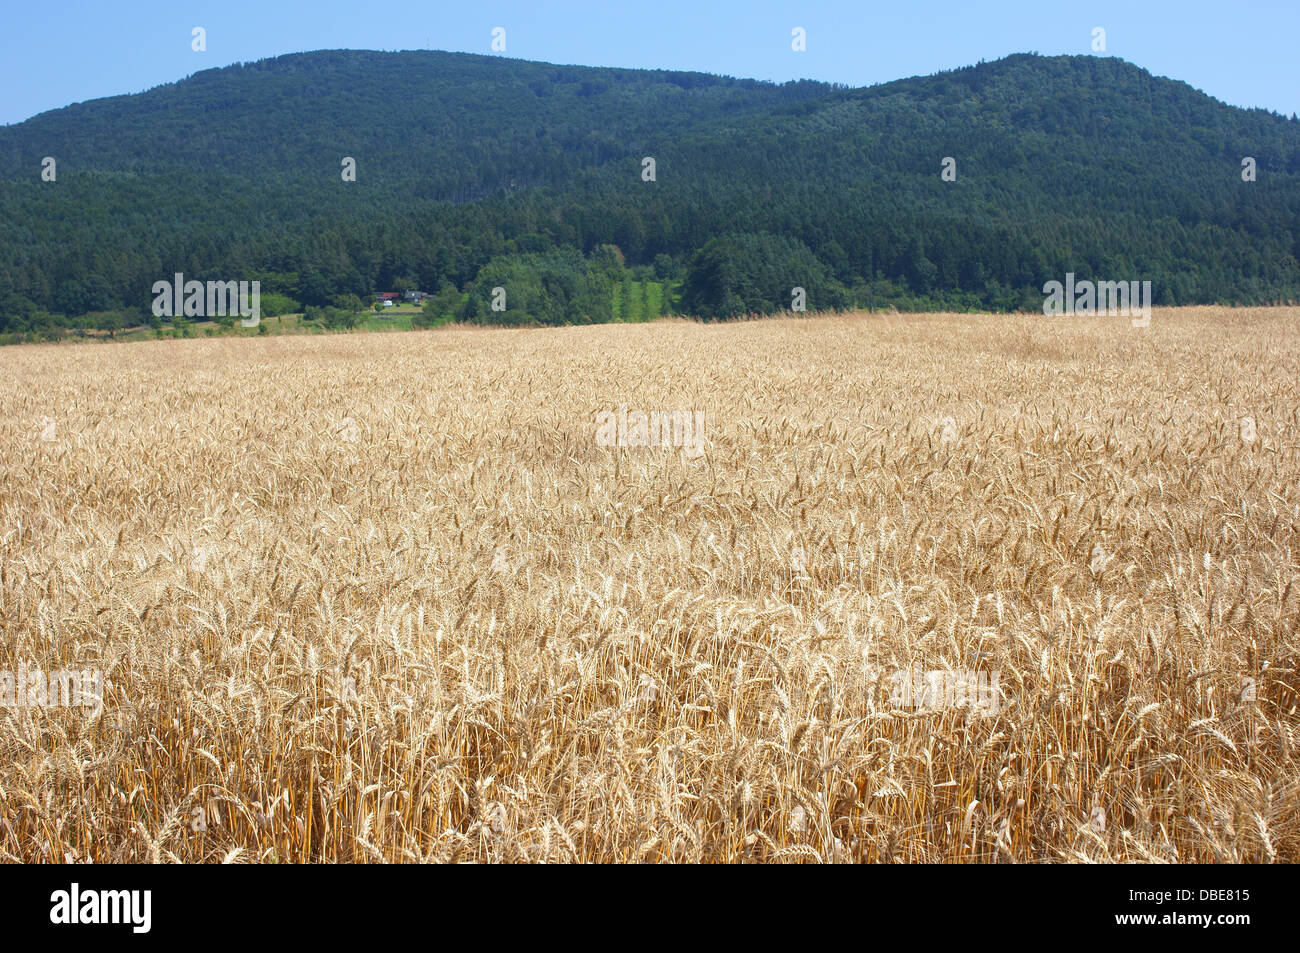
(376, 596)
(630, 300)
(396, 319)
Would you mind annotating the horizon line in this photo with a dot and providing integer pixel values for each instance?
(239, 64)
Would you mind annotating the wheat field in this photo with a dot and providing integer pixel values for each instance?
(384, 597)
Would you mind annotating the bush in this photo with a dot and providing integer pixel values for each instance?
(555, 287)
(441, 308)
(274, 305)
(756, 274)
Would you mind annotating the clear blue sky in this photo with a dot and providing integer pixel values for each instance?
(1244, 53)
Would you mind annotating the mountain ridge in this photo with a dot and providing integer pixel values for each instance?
(1081, 163)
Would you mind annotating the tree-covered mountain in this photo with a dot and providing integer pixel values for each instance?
(470, 168)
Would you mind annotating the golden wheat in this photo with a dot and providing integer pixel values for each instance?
(383, 597)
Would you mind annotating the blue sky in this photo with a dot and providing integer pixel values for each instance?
(1243, 53)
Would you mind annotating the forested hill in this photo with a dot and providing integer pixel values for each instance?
(475, 167)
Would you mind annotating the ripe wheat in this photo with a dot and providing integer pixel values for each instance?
(385, 597)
